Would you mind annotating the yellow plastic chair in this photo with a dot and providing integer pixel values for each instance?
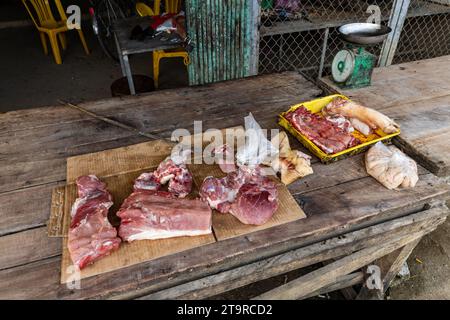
(144, 10)
(171, 6)
(45, 23)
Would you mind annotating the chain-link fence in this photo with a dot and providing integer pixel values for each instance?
(426, 31)
(302, 34)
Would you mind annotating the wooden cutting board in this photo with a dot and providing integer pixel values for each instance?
(118, 168)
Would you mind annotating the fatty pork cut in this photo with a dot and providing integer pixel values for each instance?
(91, 235)
(150, 213)
(247, 194)
(159, 214)
(327, 135)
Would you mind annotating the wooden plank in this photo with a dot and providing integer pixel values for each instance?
(342, 283)
(26, 208)
(326, 275)
(390, 266)
(34, 245)
(38, 156)
(425, 132)
(299, 258)
(29, 119)
(38, 280)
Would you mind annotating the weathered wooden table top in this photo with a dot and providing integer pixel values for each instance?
(35, 143)
(417, 95)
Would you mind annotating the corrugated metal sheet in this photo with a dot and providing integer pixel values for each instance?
(226, 39)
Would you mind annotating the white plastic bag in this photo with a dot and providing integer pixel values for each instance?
(391, 167)
(256, 148)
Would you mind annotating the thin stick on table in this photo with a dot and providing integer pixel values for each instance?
(110, 121)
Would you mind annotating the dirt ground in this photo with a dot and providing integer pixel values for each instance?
(28, 78)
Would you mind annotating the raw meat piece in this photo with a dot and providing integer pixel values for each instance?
(225, 158)
(245, 193)
(178, 176)
(371, 117)
(181, 184)
(341, 122)
(218, 193)
(157, 215)
(255, 204)
(325, 134)
(147, 181)
(91, 236)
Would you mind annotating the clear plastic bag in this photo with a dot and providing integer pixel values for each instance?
(257, 148)
(391, 167)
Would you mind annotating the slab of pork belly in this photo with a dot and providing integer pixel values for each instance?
(157, 215)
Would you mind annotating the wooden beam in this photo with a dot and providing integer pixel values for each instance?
(390, 266)
(396, 21)
(342, 282)
(295, 259)
(327, 275)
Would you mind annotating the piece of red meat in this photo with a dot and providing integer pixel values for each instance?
(158, 214)
(246, 193)
(91, 235)
(326, 134)
(178, 176)
(218, 193)
(147, 181)
(255, 204)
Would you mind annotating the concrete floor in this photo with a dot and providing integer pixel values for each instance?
(28, 78)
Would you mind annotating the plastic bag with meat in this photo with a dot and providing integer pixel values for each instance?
(391, 167)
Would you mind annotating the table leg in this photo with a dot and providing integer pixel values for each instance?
(119, 53)
(126, 65)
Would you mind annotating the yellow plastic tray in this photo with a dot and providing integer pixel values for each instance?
(316, 106)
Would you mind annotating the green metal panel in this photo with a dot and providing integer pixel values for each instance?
(225, 37)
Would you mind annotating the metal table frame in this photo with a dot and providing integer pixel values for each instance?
(126, 46)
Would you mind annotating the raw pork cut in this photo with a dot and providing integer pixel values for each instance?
(349, 109)
(255, 204)
(177, 175)
(91, 236)
(158, 214)
(245, 193)
(325, 134)
(147, 181)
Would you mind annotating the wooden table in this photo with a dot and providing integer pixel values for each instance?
(352, 220)
(126, 46)
(417, 95)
